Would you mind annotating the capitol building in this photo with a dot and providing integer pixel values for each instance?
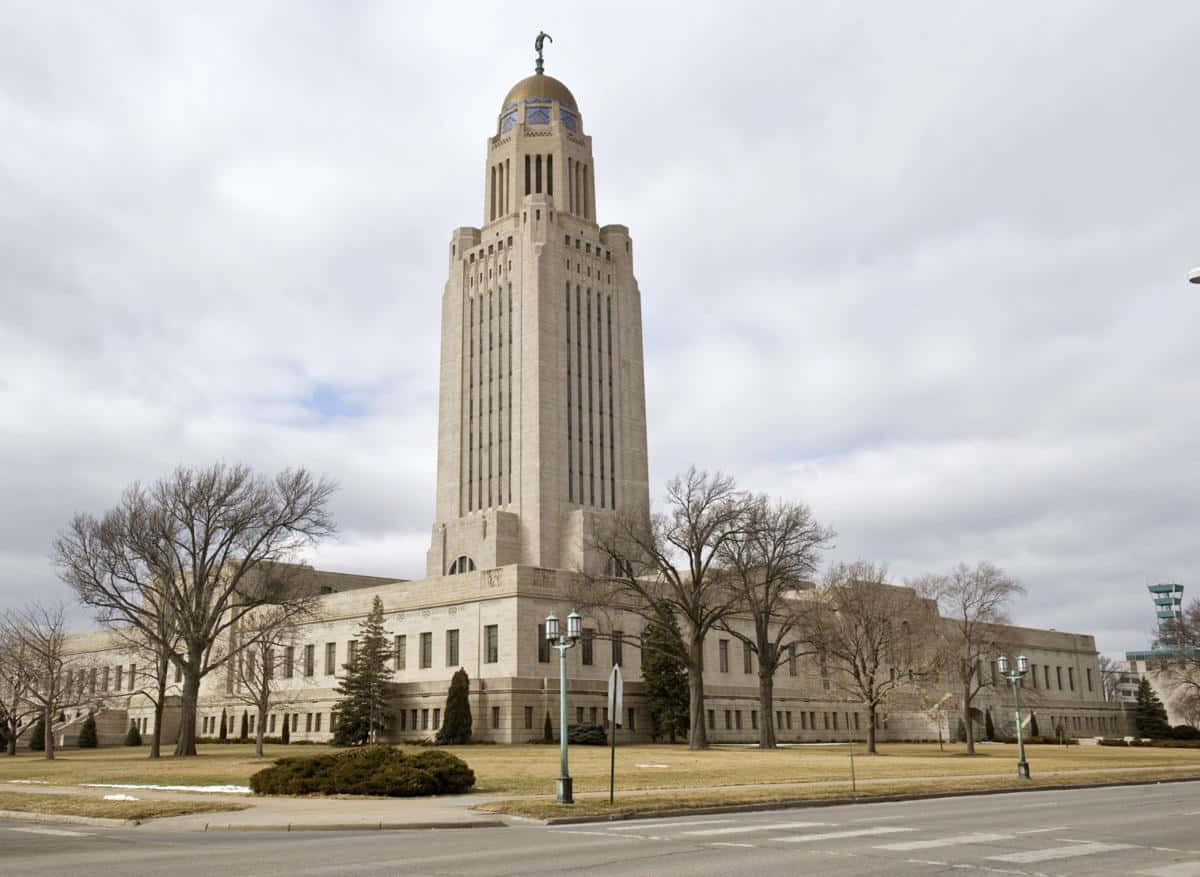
(541, 442)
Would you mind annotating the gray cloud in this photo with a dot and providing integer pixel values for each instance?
(925, 271)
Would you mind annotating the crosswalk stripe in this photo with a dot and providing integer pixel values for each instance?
(838, 835)
(1179, 869)
(1083, 849)
(57, 832)
(641, 825)
(746, 829)
(957, 840)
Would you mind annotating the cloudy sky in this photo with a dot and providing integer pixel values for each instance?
(924, 271)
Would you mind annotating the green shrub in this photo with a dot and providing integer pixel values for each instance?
(133, 737)
(547, 729)
(1113, 741)
(587, 735)
(456, 727)
(87, 733)
(37, 736)
(370, 770)
(1185, 732)
(223, 731)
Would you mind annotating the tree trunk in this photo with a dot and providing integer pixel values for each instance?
(968, 725)
(698, 732)
(186, 744)
(12, 740)
(766, 706)
(871, 708)
(48, 717)
(259, 723)
(159, 709)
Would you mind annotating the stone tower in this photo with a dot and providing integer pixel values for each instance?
(542, 406)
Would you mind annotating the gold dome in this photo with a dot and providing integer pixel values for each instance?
(540, 85)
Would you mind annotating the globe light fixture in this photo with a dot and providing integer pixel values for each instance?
(1014, 679)
(562, 643)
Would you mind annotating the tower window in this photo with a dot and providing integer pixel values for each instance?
(550, 176)
(461, 565)
(537, 178)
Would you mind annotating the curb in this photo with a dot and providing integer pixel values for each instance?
(808, 803)
(355, 826)
(67, 819)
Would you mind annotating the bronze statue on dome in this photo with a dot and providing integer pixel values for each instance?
(537, 45)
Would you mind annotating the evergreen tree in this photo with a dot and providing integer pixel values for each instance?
(989, 730)
(1150, 716)
(665, 682)
(548, 729)
(1033, 728)
(286, 736)
(244, 734)
(223, 732)
(133, 737)
(456, 727)
(362, 714)
(37, 736)
(87, 733)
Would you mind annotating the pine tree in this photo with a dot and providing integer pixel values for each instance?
(456, 727)
(1033, 728)
(989, 730)
(1150, 716)
(244, 735)
(286, 736)
(362, 714)
(133, 737)
(665, 683)
(87, 733)
(37, 736)
(223, 732)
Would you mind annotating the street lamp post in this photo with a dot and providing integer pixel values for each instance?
(1194, 277)
(1014, 679)
(562, 643)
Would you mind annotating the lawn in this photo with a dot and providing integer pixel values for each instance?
(528, 770)
(87, 805)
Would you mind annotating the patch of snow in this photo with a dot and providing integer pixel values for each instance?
(32, 782)
(220, 790)
(652, 765)
(119, 797)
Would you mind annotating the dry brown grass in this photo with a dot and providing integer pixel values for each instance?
(86, 805)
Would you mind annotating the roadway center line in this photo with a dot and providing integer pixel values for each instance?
(746, 829)
(1079, 849)
(838, 835)
(956, 840)
(57, 832)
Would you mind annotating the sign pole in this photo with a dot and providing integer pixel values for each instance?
(616, 688)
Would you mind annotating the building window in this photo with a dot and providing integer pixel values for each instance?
(1033, 674)
(579, 715)
(747, 658)
(593, 714)
(310, 660)
(618, 642)
(400, 652)
(426, 651)
(351, 651)
(1058, 674)
(452, 648)
(463, 563)
(308, 723)
(737, 719)
(528, 718)
(1071, 678)
(826, 717)
(295, 721)
(543, 645)
(586, 654)
(792, 659)
(712, 720)
(495, 718)
(491, 644)
(632, 719)
(856, 721)
(437, 718)
(271, 724)
(1046, 676)
(289, 661)
(788, 717)
(753, 720)
(120, 677)
(728, 720)
(1089, 678)
(835, 721)
(316, 721)
(330, 658)
(425, 720)
(723, 654)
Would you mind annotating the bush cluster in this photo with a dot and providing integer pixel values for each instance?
(587, 735)
(371, 770)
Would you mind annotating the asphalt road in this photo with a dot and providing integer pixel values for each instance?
(1135, 831)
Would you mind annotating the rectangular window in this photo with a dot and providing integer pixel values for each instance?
(308, 723)
(426, 650)
(495, 717)
(289, 661)
(1033, 674)
(543, 645)
(826, 716)
(437, 718)
(778, 718)
(491, 644)
(252, 718)
(399, 652)
(120, 678)
(604, 718)
(835, 722)
(425, 720)
(133, 676)
(316, 721)
(295, 721)
(452, 648)
(723, 655)
(1058, 674)
(330, 658)
(414, 719)
(593, 715)
(753, 720)
(528, 718)
(728, 720)
(1071, 678)
(803, 720)
(271, 724)
(747, 658)
(812, 720)
(310, 660)
(788, 717)
(1046, 676)
(712, 720)
(403, 720)
(351, 651)
(1089, 678)
(737, 717)
(586, 644)
(856, 721)
(632, 719)
(618, 641)
(579, 715)
(792, 659)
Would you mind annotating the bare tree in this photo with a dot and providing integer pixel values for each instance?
(663, 569)
(972, 602)
(153, 670)
(16, 677)
(1110, 676)
(1179, 642)
(767, 562)
(871, 636)
(40, 634)
(217, 543)
(258, 666)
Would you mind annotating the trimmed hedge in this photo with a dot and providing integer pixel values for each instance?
(370, 770)
(587, 735)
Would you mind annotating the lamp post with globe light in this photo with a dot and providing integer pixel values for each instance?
(562, 643)
(1194, 277)
(1014, 679)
